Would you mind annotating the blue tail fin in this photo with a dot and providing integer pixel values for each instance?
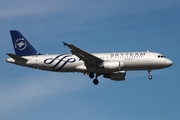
(21, 46)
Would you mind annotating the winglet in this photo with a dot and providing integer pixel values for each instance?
(65, 44)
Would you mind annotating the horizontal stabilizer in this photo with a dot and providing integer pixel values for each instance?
(15, 57)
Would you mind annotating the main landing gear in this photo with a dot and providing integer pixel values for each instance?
(95, 81)
(149, 75)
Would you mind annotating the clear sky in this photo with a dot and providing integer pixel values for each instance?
(95, 26)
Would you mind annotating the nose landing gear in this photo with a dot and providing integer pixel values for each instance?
(149, 75)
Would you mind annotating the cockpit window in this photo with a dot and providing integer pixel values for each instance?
(161, 56)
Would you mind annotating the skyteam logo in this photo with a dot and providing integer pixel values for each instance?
(59, 61)
(20, 44)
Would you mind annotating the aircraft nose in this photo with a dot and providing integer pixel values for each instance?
(168, 62)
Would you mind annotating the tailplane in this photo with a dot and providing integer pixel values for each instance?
(21, 46)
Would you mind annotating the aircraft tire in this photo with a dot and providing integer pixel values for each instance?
(91, 75)
(150, 77)
(95, 81)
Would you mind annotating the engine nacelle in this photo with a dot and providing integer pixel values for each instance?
(117, 76)
(111, 66)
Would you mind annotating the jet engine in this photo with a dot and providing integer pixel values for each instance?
(116, 76)
(111, 66)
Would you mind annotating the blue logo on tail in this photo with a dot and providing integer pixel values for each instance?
(20, 44)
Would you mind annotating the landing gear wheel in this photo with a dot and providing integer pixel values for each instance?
(91, 75)
(95, 81)
(150, 77)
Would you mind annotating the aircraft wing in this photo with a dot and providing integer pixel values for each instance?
(83, 55)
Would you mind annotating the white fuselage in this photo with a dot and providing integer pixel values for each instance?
(71, 63)
(111, 65)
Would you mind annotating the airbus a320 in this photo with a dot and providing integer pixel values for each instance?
(110, 65)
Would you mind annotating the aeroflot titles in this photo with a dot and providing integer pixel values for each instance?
(127, 55)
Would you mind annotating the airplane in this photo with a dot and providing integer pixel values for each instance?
(111, 65)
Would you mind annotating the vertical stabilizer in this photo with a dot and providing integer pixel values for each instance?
(21, 46)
